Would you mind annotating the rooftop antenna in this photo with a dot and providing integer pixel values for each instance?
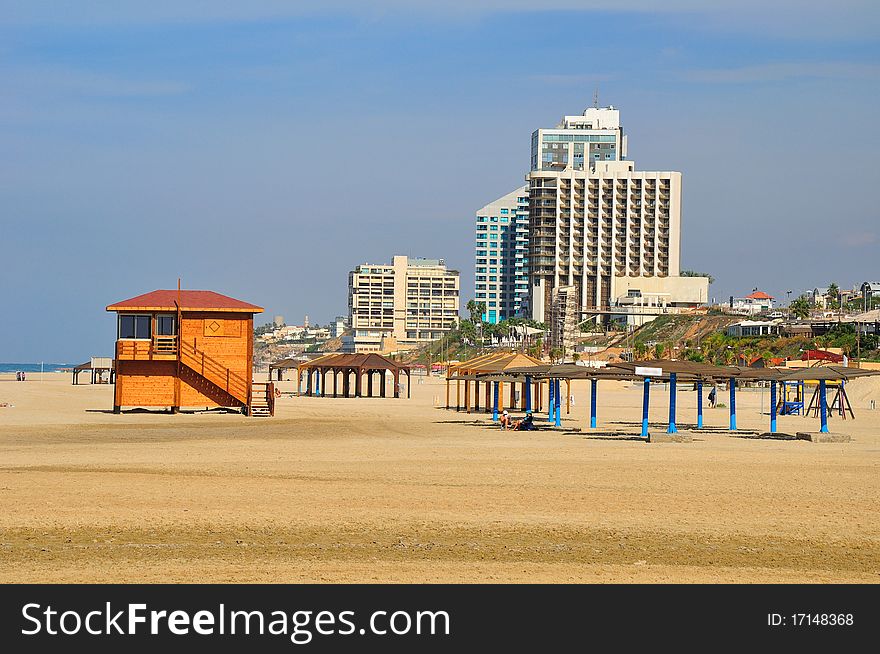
(596, 97)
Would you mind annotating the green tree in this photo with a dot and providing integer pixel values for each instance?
(476, 309)
(800, 307)
(832, 296)
(694, 273)
(659, 350)
(640, 350)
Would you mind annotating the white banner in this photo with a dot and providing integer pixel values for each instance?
(649, 372)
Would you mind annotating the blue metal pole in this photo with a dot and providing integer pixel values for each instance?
(732, 385)
(551, 406)
(823, 404)
(594, 386)
(528, 393)
(317, 383)
(645, 400)
(495, 401)
(558, 395)
(772, 406)
(699, 405)
(673, 378)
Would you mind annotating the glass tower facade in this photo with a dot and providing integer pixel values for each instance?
(502, 259)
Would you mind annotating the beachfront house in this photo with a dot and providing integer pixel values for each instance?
(178, 348)
(752, 304)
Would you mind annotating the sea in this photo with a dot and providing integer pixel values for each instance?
(35, 367)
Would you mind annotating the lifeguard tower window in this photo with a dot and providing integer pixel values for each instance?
(134, 327)
(165, 325)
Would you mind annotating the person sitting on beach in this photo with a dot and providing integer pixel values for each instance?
(526, 424)
(504, 420)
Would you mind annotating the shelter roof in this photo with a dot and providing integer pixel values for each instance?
(165, 300)
(88, 366)
(369, 361)
(493, 362)
(827, 373)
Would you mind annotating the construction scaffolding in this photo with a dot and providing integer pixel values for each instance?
(564, 318)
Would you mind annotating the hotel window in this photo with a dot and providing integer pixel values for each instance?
(134, 327)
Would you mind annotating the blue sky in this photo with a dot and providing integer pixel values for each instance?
(263, 149)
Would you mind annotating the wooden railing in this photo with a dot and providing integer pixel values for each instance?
(162, 347)
(133, 350)
(214, 371)
(165, 344)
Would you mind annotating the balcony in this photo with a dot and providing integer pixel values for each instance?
(159, 348)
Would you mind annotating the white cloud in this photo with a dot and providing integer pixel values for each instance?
(780, 71)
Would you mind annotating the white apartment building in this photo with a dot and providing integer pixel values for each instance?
(402, 305)
(502, 269)
(602, 236)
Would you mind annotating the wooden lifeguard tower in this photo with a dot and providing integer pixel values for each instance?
(187, 349)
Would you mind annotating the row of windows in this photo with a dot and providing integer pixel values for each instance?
(580, 138)
(132, 326)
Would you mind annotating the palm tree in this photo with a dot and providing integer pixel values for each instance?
(832, 294)
(476, 309)
(800, 307)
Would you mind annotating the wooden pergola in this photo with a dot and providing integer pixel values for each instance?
(96, 373)
(496, 363)
(353, 368)
(280, 367)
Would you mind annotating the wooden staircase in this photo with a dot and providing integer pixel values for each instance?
(262, 402)
(226, 387)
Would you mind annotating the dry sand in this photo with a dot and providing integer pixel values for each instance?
(397, 490)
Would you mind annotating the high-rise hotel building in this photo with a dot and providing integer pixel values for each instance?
(405, 304)
(502, 270)
(601, 234)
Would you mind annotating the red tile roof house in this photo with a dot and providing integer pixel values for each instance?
(187, 349)
(754, 303)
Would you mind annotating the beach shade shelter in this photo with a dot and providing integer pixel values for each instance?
(183, 348)
(674, 371)
(823, 375)
(773, 375)
(280, 367)
(352, 369)
(569, 372)
(493, 383)
(97, 367)
(493, 363)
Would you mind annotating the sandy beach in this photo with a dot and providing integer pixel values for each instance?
(384, 490)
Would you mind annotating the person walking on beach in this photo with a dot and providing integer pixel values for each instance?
(713, 395)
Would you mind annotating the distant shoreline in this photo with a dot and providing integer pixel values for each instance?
(35, 367)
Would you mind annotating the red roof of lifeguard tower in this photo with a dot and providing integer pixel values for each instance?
(164, 300)
(759, 295)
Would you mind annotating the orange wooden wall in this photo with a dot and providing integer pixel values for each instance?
(225, 337)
